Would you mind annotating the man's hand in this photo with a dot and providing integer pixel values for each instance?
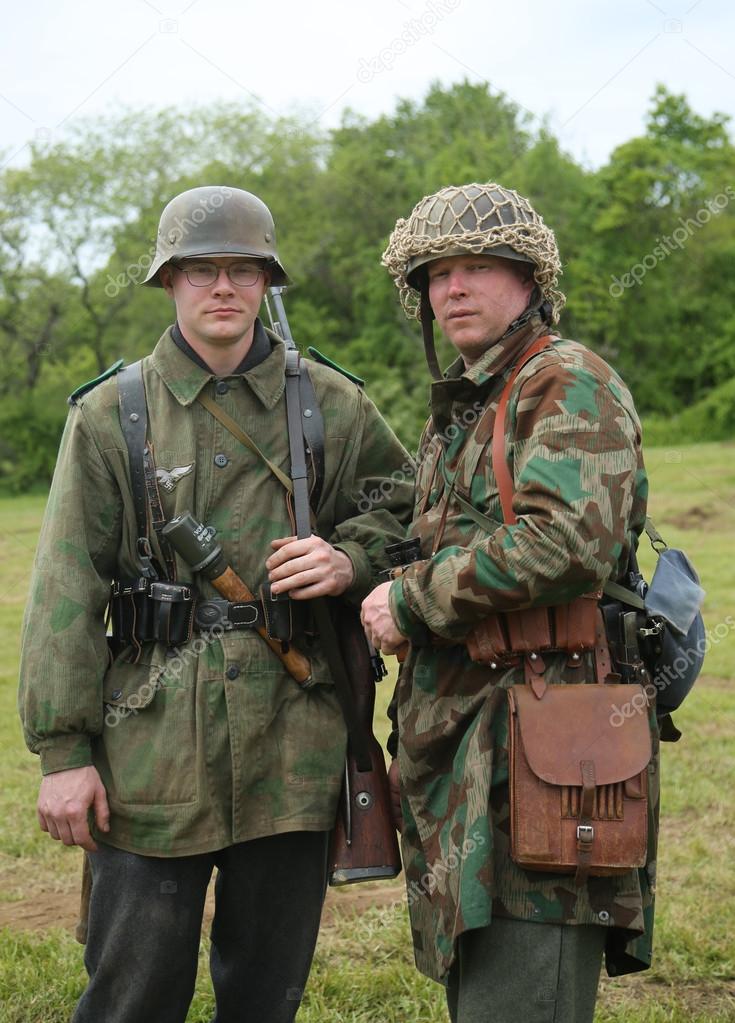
(394, 786)
(64, 801)
(308, 568)
(378, 622)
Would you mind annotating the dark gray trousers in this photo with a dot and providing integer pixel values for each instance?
(145, 923)
(516, 971)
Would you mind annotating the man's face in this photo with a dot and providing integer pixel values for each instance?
(220, 313)
(476, 298)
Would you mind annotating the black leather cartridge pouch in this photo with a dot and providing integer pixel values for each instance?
(130, 613)
(277, 610)
(172, 607)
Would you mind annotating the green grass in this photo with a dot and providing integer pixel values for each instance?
(363, 971)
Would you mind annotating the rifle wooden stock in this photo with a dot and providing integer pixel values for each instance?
(364, 845)
(231, 587)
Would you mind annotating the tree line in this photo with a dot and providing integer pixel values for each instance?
(647, 244)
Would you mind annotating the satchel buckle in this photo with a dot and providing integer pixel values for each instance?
(585, 832)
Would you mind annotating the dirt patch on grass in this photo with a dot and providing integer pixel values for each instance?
(715, 682)
(693, 518)
(60, 908)
(700, 999)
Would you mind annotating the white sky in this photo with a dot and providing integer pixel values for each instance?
(590, 66)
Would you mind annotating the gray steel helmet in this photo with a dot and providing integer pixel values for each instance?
(216, 220)
(473, 218)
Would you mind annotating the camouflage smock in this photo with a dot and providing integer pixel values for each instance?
(573, 438)
(217, 743)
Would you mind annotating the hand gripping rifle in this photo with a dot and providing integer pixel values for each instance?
(195, 544)
(364, 845)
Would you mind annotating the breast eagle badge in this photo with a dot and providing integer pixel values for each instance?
(169, 478)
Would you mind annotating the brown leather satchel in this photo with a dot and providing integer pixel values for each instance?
(578, 778)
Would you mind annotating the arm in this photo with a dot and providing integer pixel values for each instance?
(64, 651)
(576, 472)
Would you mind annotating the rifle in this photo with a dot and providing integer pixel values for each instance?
(195, 544)
(363, 845)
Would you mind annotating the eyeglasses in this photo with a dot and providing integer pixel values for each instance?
(201, 275)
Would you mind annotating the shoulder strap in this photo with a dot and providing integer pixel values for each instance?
(500, 462)
(90, 384)
(312, 423)
(318, 356)
(134, 426)
(299, 477)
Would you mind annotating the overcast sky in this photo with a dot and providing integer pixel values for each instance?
(590, 66)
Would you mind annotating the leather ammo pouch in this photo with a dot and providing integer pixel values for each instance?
(578, 778)
(506, 635)
(145, 611)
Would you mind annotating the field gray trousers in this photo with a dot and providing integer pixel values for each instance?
(145, 923)
(519, 971)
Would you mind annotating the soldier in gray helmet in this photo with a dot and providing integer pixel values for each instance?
(185, 744)
(530, 493)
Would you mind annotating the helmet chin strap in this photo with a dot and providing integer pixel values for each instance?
(535, 306)
(427, 328)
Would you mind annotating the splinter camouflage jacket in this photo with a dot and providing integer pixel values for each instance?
(573, 438)
(213, 743)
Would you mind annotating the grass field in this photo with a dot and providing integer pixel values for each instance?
(363, 971)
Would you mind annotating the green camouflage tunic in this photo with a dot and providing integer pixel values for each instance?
(214, 743)
(573, 437)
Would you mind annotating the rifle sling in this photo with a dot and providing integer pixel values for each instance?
(320, 605)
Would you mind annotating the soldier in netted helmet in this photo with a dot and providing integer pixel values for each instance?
(530, 493)
(188, 745)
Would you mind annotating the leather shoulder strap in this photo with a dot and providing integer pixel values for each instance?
(134, 426)
(312, 423)
(500, 462)
(299, 477)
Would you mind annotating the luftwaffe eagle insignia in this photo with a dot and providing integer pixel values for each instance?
(169, 479)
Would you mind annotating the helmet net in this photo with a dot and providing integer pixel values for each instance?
(476, 218)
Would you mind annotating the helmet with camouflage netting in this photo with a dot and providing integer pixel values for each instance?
(215, 220)
(474, 218)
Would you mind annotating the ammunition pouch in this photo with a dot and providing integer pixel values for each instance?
(149, 611)
(501, 639)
